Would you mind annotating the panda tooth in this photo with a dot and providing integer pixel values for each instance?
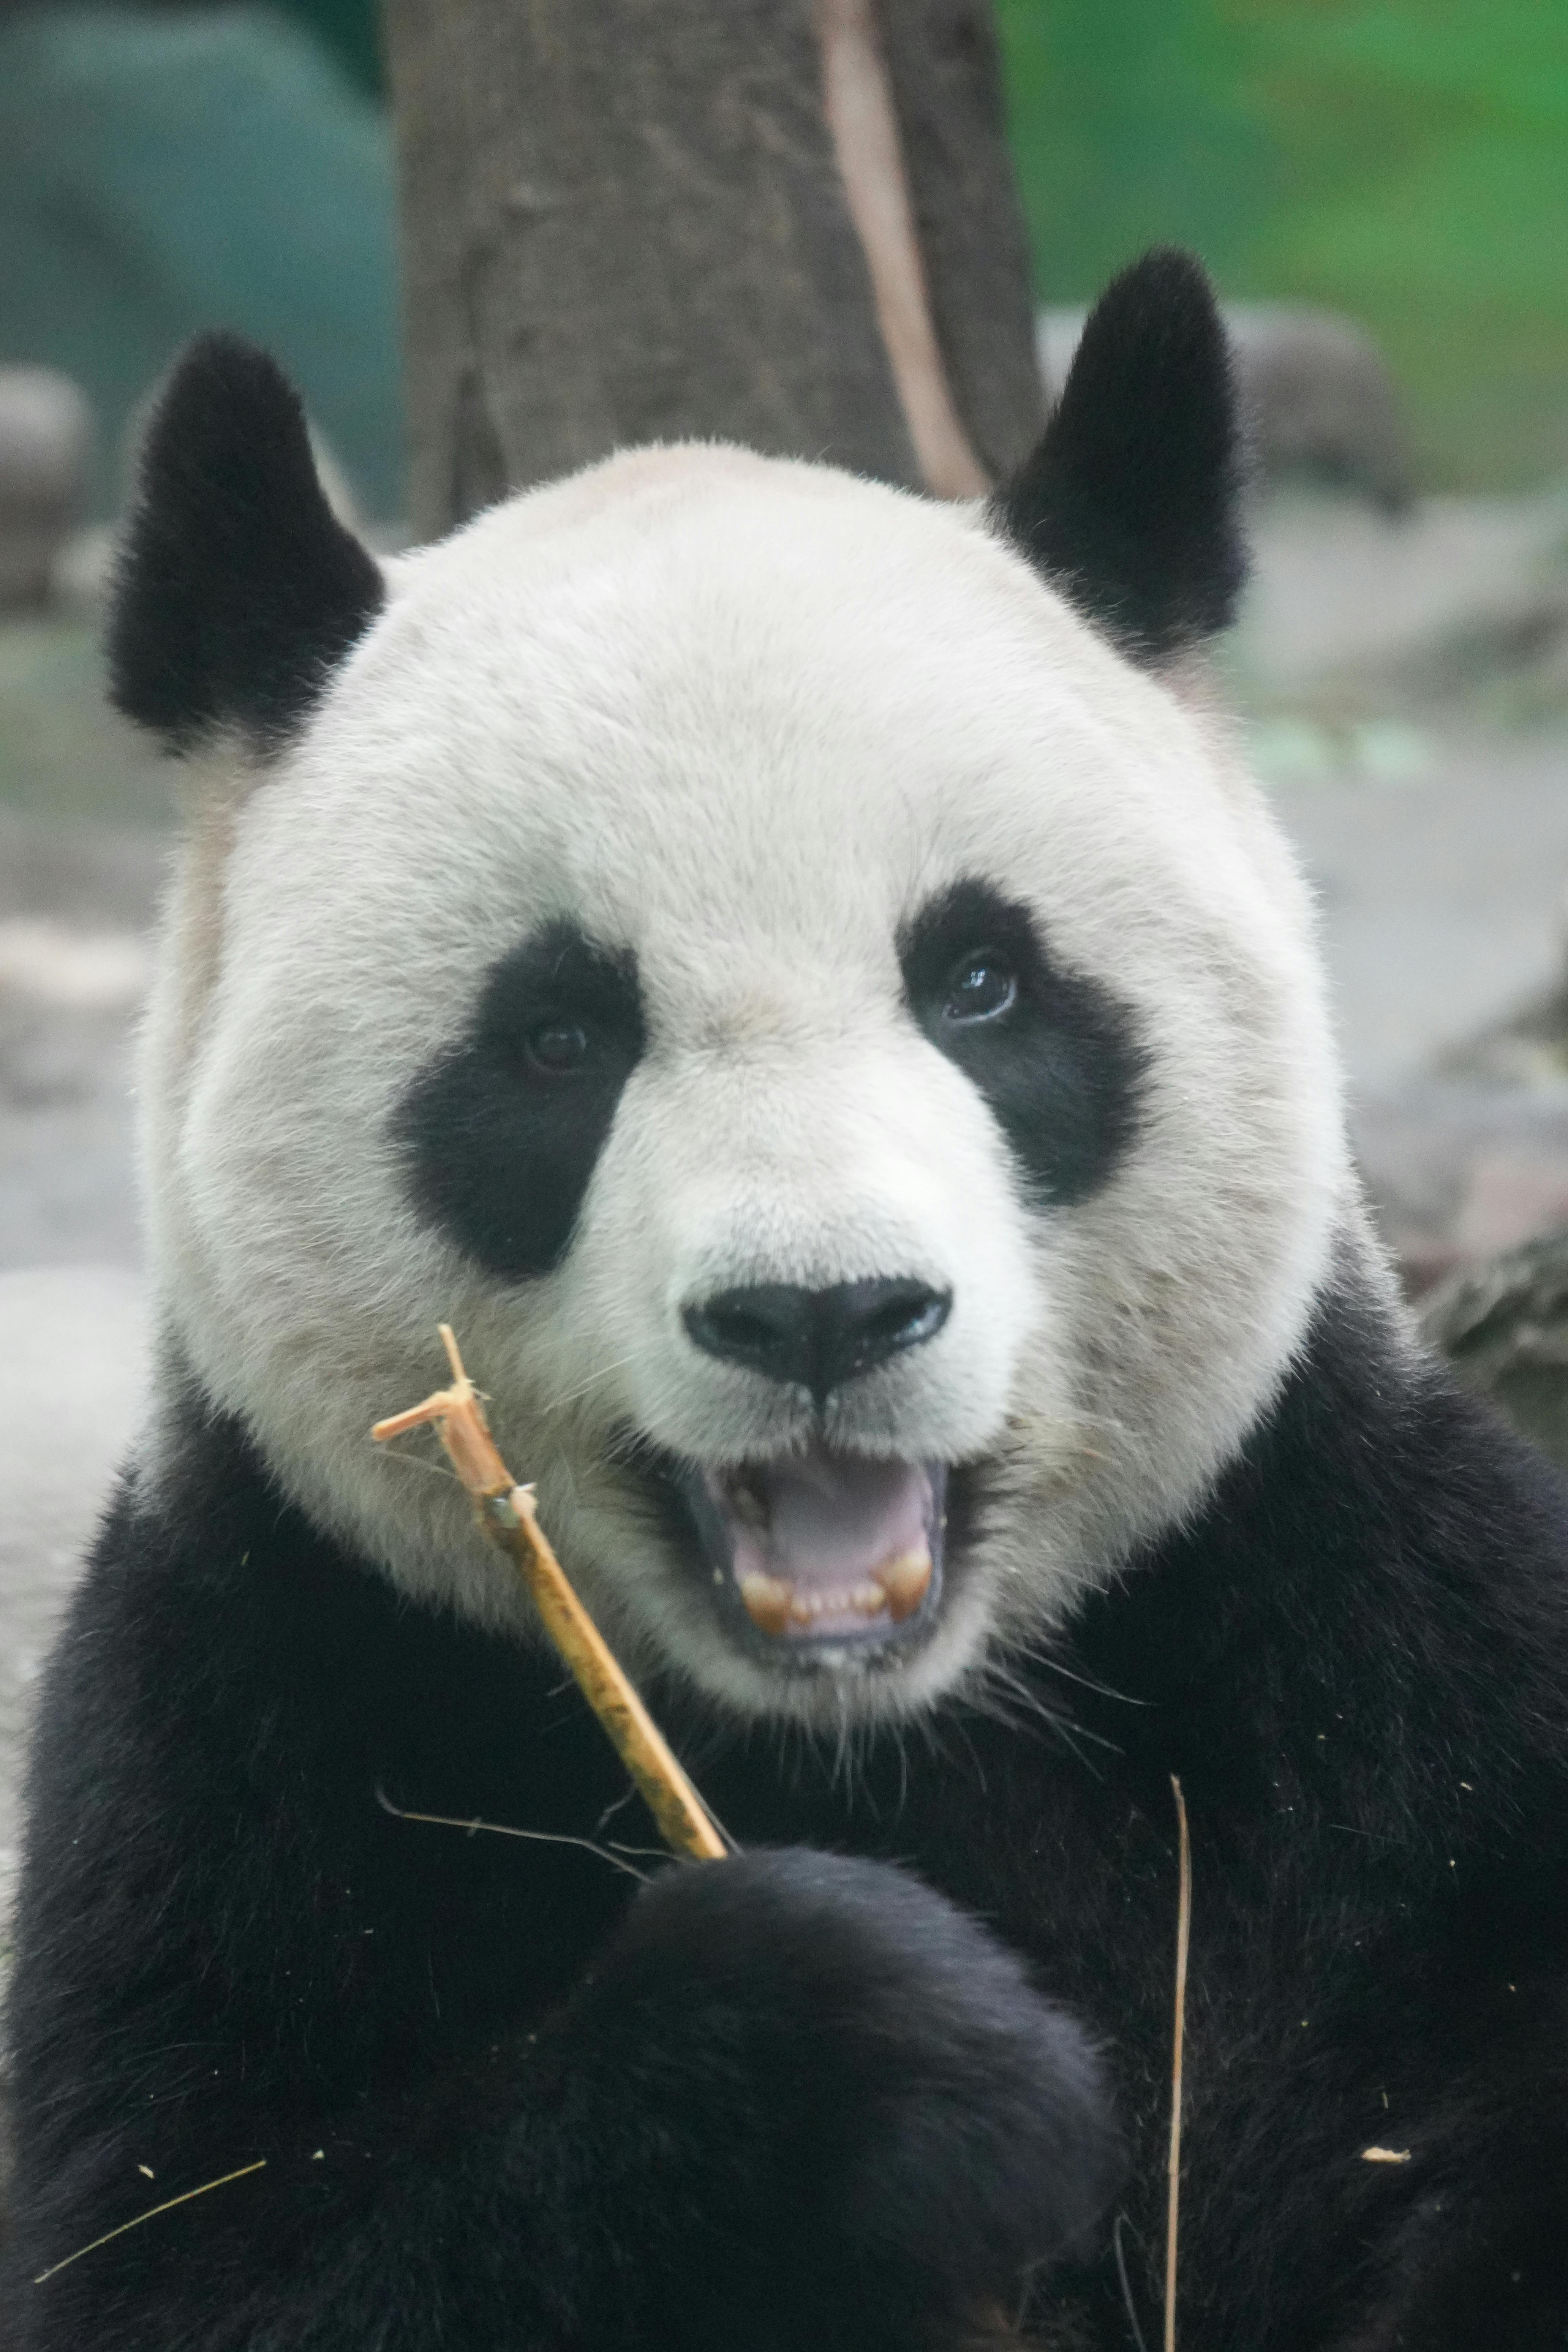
(904, 1580)
(770, 1601)
(773, 1604)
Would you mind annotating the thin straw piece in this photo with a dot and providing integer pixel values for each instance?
(506, 1512)
(153, 2210)
(1183, 1933)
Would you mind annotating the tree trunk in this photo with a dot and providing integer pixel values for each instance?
(770, 221)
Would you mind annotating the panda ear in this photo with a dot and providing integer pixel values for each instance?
(236, 591)
(1131, 504)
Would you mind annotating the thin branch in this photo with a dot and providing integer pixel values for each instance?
(1135, 2323)
(150, 2214)
(505, 1829)
(1184, 1932)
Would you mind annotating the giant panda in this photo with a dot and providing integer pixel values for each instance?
(799, 977)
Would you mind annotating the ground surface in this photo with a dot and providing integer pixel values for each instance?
(1407, 691)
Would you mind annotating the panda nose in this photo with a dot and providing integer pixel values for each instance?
(818, 1340)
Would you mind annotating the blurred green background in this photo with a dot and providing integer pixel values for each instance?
(1403, 160)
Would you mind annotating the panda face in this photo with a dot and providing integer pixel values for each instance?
(840, 1044)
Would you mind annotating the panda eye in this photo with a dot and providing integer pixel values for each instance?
(980, 987)
(557, 1049)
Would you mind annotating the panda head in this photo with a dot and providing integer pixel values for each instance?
(793, 972)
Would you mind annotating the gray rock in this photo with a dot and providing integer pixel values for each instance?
(46, 446)
(1505, 1325)
(1322, 401)
(1351, 610)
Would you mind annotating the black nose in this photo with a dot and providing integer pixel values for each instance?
(817, 1339)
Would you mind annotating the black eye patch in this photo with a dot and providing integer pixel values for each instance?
(1056, 1057)
(501, 1134)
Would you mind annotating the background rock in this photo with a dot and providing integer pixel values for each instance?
(73, 1349)
(45, 444)
(1505, 1325)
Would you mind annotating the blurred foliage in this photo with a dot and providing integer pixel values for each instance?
(351, 30)
(163, 171)
(1404, 161)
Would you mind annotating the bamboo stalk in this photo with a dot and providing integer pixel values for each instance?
(506, 1512)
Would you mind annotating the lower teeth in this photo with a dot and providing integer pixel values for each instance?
(899, 1586)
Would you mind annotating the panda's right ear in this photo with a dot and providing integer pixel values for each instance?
(236, 589)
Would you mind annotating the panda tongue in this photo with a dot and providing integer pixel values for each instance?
(826, 1542)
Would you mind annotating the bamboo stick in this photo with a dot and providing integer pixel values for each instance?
(506, 1512)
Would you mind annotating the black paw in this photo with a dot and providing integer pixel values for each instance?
(872, 2125)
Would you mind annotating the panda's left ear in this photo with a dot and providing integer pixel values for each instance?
(1131, 504)
(237, 590)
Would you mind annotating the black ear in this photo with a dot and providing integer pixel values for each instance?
(237, 590)
(1131, 502)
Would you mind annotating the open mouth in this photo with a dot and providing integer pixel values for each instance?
(824, 1548)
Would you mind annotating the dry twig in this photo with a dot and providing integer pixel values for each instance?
(136, 2220)
(473, 1827)
(1184, 1932)
(506, 1512)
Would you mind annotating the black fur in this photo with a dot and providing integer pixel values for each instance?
(500, 1146)
(1061, 1066)
(238, 590)
(796, 2099)
(1130, 503)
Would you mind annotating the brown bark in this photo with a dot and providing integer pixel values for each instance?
(625, 220)
(946, 77)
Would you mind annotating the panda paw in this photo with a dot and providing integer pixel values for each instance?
(877, 2127)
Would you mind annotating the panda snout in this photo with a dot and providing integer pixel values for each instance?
(820, 1549)
(818, 1340)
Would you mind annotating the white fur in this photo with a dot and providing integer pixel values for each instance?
(744, 717)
